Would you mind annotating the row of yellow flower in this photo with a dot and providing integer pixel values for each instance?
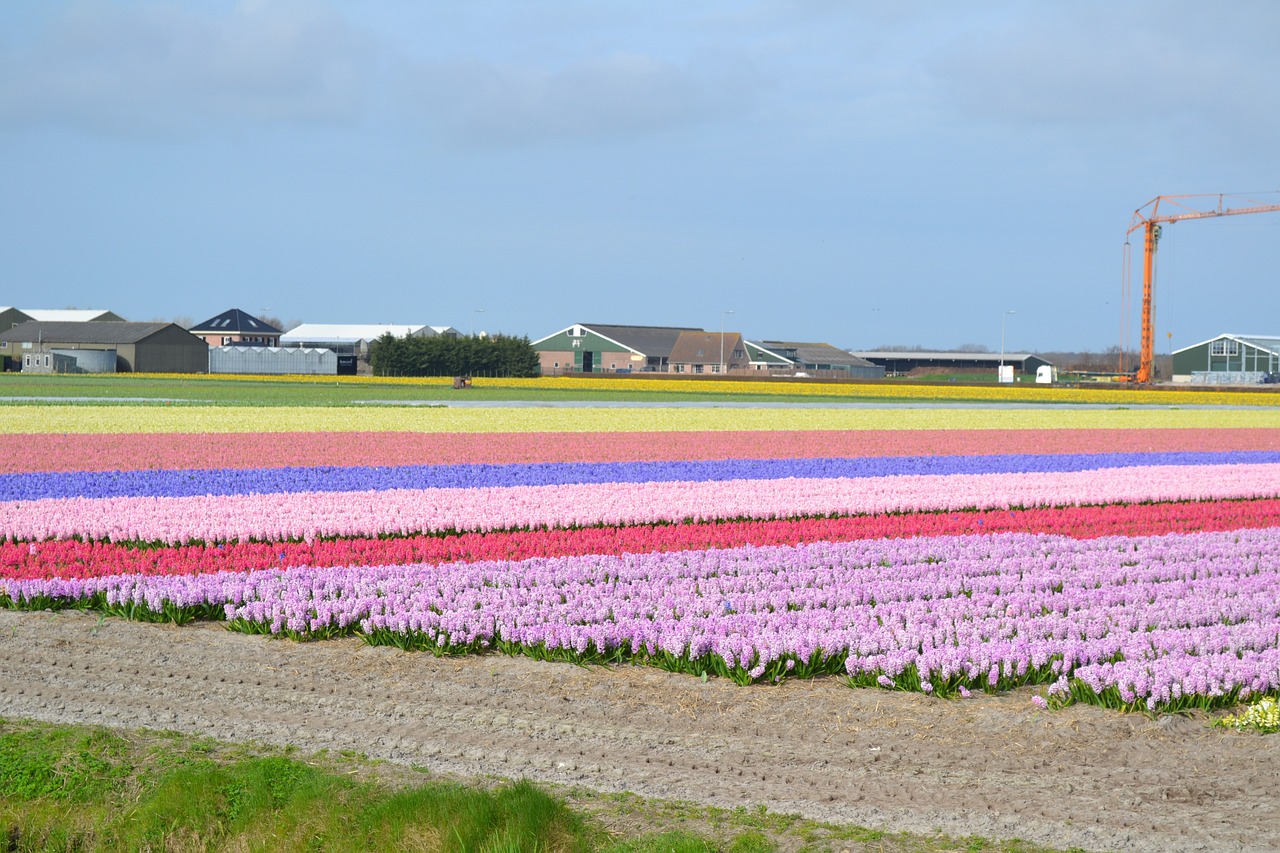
(1027, 393)
(228, 419)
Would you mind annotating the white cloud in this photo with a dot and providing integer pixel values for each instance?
(139, 69)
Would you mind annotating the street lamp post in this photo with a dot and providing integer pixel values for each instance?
(474, 312)
(723, 314)
(1003, 317)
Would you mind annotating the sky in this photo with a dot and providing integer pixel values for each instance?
(902, 172)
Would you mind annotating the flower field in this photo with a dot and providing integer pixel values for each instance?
(1121, 557)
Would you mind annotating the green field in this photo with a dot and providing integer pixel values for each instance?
(18, 389)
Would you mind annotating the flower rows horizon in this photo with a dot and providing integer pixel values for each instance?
(1128, 558)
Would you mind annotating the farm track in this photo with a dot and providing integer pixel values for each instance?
(991, 765)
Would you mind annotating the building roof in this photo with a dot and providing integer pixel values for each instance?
(905, 355)
(1266, 343)
(816, 353)
(699, 347)
(233, 321)
(348, 333)
(655, 341)
(71, 315)
(86, 332)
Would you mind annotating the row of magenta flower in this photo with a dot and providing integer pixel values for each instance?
(1165, 621)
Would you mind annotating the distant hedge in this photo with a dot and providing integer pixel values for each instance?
(498, 355)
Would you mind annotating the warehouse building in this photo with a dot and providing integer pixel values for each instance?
(104, 347)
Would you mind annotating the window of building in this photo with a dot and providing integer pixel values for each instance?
(1224, 347)
(613, 366)
(715, 368)
(697, 368)
(555, 364)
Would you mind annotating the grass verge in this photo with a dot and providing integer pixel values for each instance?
(94, 789)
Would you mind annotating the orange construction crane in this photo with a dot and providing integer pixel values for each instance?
(1149, 218)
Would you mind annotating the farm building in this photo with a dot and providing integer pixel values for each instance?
(1228, 358)
(234, 326)
(273, 361)
(905, 361)
(600, 348)
(104, 347)
(819, 359)
(10, 317)
(708, 352)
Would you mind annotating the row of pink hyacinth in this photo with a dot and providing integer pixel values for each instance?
(106, 452)
(1152, 620)
(308, 515)
(73, 558)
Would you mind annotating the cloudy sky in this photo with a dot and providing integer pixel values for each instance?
(863, 173)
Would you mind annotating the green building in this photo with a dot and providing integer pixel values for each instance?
(1234, 359)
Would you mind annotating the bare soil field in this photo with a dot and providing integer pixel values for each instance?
(994, 766)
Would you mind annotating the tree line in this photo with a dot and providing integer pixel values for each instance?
(496, 355)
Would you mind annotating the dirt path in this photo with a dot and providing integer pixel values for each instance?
(993, 766)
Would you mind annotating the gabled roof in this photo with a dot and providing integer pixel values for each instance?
(233, 321)
(654, 341)
(87, 332)
(817, 353)
(699, 347)
(1266, 343)
(71, 315)
(347, 333)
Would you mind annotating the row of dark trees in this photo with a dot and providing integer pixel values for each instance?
(497, 355)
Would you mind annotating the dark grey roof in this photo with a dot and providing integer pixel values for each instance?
(816, 353)
(654, 341)
(89, 332)
(234, 322)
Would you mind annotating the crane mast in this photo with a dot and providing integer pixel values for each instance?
(1150, 218)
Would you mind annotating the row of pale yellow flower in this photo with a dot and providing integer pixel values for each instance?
(243, 419)
(1026, 393)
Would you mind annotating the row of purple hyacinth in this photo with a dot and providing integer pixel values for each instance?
(1153, 620)
(187, 483)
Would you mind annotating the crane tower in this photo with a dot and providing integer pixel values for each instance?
(1150, 218)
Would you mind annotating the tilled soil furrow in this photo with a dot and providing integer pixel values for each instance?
(990, 765)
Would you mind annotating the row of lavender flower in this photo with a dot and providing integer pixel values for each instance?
(1164, 621)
